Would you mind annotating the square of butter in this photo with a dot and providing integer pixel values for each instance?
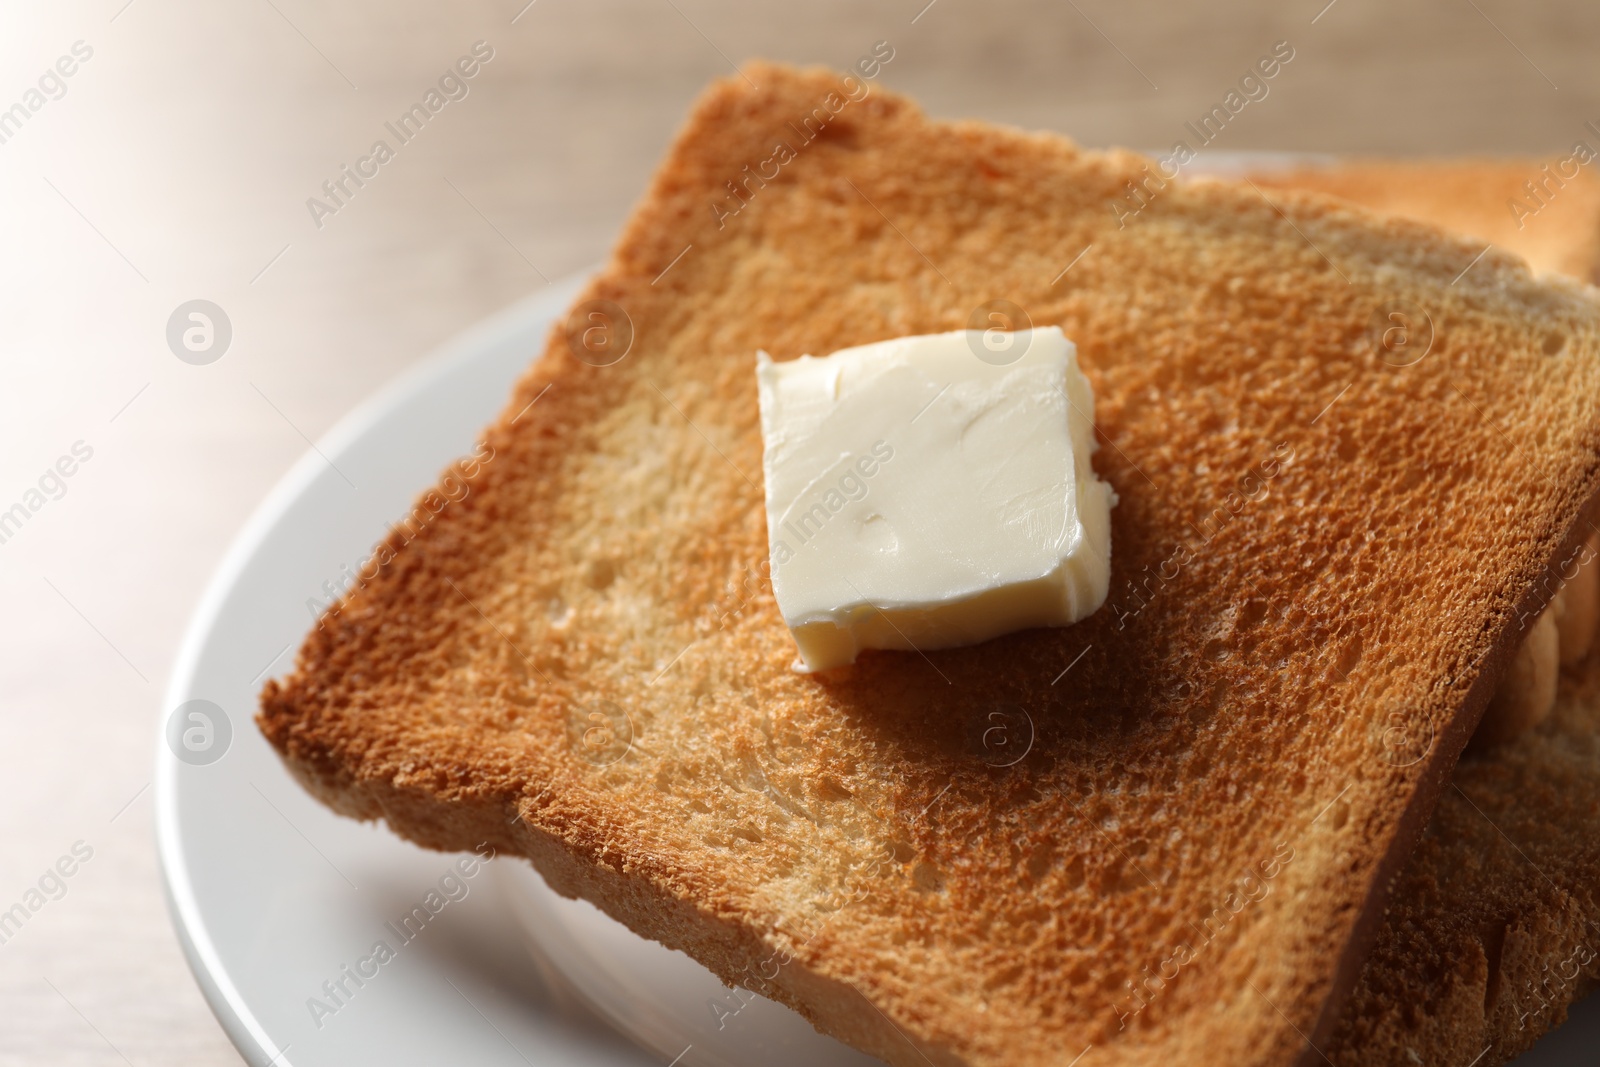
(932, 491)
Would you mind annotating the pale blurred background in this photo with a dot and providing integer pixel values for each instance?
(177, 163)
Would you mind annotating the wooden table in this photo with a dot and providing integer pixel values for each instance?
(176, 161)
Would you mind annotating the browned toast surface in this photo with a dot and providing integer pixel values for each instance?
(1493, 927)
(1547, 211)
(1158, 832)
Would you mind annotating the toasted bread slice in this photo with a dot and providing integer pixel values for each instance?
(1547, 211)
(1177, 853)
(1492, 930)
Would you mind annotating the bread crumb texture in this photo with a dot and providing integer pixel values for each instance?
(1491, 930)
(1161, 831)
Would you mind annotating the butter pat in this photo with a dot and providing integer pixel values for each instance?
(932, 491)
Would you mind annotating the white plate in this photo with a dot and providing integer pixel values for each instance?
(273, 895)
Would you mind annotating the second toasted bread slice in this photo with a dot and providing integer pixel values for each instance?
(1490, 931)
(1547, 211)
(1176, 854)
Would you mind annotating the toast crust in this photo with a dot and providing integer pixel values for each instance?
(1493, 928)
(1210, 777)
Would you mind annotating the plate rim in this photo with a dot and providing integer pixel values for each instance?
(244, 1030)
